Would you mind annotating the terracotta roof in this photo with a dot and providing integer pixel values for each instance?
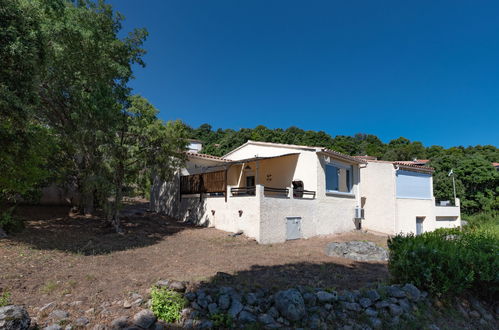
(495, 164)
(205, 156)
(405, 165)
(366, 157)
(343, 156)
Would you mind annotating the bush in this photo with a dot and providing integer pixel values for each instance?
(167, 305)
(447, 261)
(9, 222)
(486, 221)
(222, 320)
(5, 299)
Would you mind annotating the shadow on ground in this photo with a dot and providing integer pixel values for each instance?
(324, 275)
(53, 228)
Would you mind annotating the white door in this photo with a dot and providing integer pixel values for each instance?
(419, 225)
(293, 228)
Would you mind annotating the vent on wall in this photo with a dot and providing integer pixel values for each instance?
(359, 213)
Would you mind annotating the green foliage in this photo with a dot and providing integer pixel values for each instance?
(447, 261)
(167, 304)
(9, 222)
(222, 320)
(485, 221)
(5, 299)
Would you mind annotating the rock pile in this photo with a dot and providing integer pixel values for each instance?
(303, 307)
(357, 250)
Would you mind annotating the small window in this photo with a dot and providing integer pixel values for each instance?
(338, 178)
(250, 181)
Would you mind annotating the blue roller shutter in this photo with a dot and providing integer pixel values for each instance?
(413, 185)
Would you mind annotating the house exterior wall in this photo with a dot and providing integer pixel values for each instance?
(386, 213)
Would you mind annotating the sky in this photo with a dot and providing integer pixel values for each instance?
(425, 70)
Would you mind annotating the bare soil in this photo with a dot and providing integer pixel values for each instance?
(81, 264)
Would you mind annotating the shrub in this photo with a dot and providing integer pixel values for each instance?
(5, 299)
(167, 305)
(9, 222)
(447, 261)
(222, 320)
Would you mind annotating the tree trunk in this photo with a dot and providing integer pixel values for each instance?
(88, 202)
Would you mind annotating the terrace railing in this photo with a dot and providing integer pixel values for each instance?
(275, 192)
(243, 191)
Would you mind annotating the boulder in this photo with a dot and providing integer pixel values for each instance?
(247, 317)
(357, 250)
(224, 301)
(235, 308)
(326, 297)
(412, 292)
(144, 319)
(14, 317)
(290, 304)
(395, 291)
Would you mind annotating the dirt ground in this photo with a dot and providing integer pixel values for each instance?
(87, 269)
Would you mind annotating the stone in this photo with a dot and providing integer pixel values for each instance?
(213, 308)
(474, 314)
(119, 323)
(314, 321)
(433, 327)
(357, 250)
(224, 301)
(395, 310)
(246, 317)
(76, 303)
(476, 305)
(90, 311)
(405, 305)
(290, 304)
(47, 306)
(51, 327)
(382, 304)
(412, 292)
(3, 234)
(371, 312)
(365, 302)
(328, 307)
(310, 298)
(190, 296)
(354, 307)
(81, 321)
(347, 296)
(206, 324)
(273, 312)
(59, 314)
(265, 319)
(395, 292)
(251, 298)
(235, 308)
(14, 317)
(144, 319)
(375, 322)
(177, 286)
(326, 297)
(373, 295)
(127, 304)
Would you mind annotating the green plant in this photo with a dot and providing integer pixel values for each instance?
(5, 299)
(222, 320)
(48, 287)
(167, 304)
(9, 222)
(447, 262)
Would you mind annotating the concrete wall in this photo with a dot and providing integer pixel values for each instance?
(386, 213)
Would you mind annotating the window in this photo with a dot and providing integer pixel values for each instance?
(338, 178)
(250, 181)
(413, 185)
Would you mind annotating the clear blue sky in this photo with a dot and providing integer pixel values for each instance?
(425, 70)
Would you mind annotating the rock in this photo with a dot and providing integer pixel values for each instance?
(365, 302)
(412, 292)
(433, 327)
(90, 311)
(76, 303)
(177, 286)
(309, 298)
(206, 324)
(81, 321)
(251, 298)
(127, 304)
(395, 292)
(382, 304)
(273, 312)
(354, 307)
(47, 306)
(144, 319)
(474, 314)
(51, 327)
(213, 308)
(375, 322)
(314, 321)
(357, 250)
(476, 305)
(14, 317)
(59, 314)
(162, 283)
(235, 308)
(190, 296)
(395, 310)
(328, 307)
(371, 312)
(326, 297)
(405, 305)
(247, 317)
(347, 296)
(265, 319)
(120, 322)
(159, 325)
(290, 304)
(373, 295)
(224, 301)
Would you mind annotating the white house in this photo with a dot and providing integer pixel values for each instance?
(272, 192)
(275, 192)
(398, 197)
